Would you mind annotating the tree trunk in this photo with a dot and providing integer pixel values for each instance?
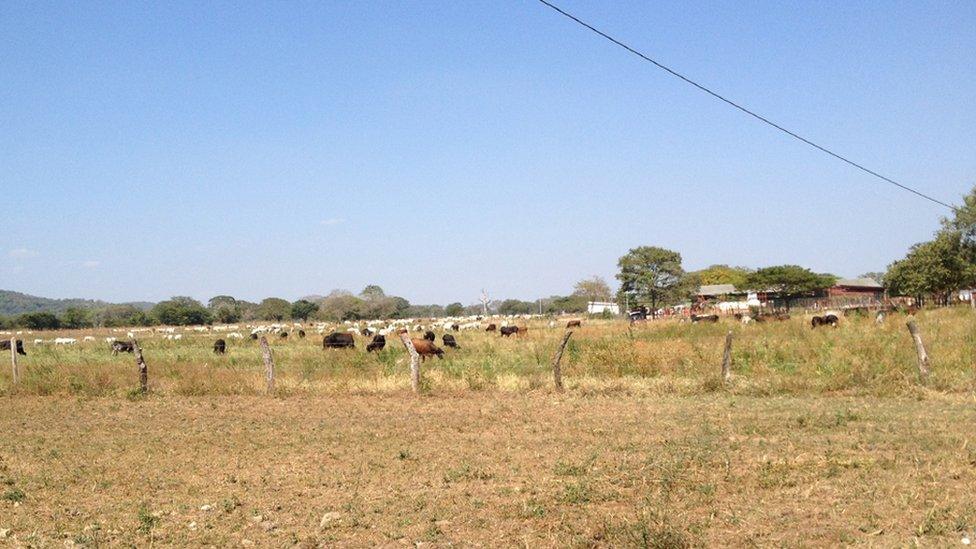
(269, 369)
(923, 357)
(143, 368)
(557, 375)
(414, 362)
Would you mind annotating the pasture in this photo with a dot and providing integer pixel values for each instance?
(858, 357)
(823, 437)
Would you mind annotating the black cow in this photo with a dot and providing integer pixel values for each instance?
(336, 340)
(704, 318)
(509, 330)
(491, 328)
(366, 332)
(377, 344)
(301, 334)
(429, 336)
(283, 335)
(455, 328)
(5, 346)
(449, 341)
(254, 336)
(825, 320)
(123, 347)
(220, 347)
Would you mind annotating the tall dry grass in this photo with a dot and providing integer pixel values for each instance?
(789, 357)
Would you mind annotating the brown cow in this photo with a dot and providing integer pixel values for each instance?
(575, 323)
(426, 348)
(491, 328)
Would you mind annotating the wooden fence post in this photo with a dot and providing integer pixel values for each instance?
(923, 357)
(727, 358)
(143, 369)
(13, 359)
(557, 374)
(414, 362)
(269, 373)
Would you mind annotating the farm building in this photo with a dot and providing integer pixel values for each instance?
(718, 291)
(856, 287)
(600, 307)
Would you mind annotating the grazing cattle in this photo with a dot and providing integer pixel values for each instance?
(575, 323)
(491, 328)
(367, 332)
(449, 341)
(429, 336)
(65, 341)
(220, 347)
(825, 320)
(5, 346)
(455, 328)
(426, 348)
(377, 344)
(508, 330)
(122, 347)
(335, 340)
(254, 335)
(704, 318)
(283, 335)
(301, 334)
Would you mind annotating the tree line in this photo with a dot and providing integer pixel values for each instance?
(931, 271)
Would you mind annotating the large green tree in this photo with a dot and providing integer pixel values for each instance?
(74, 318)
(724, 274)
(39, 321)
(181, 311)
(454, 309)
(935, 268)
(274, 308)
(654, 275)
(789, 280)
(302, 309)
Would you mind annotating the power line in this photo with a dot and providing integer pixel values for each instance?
(755, 115)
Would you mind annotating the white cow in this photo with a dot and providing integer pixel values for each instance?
(65, 341)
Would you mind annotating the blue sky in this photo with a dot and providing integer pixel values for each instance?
(198, 148)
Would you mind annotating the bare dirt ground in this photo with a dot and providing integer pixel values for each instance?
(488, 469)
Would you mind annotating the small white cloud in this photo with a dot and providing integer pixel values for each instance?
(91, 263)
(22, 253)
(333, 221)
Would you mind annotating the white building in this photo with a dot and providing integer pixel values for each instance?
(600, 307)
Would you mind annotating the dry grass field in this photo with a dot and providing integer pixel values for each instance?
(824, 438)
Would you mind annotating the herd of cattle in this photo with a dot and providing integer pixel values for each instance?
(378, 330)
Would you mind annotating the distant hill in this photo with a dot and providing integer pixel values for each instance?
(15, 303)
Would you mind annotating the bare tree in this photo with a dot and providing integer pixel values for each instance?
(484, 301)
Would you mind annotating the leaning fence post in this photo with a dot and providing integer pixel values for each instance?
(923, 357)
(414, 362)
(557, 374)
(143, 369)
(269, 373)
(13, 360)
(727, 358)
